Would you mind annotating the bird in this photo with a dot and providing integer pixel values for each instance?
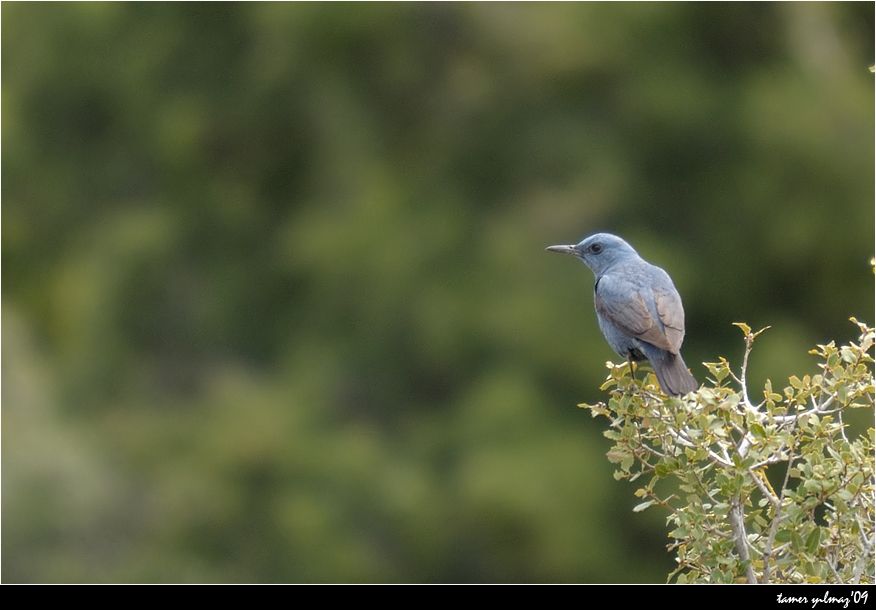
(637, 307)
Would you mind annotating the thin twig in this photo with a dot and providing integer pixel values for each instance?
(839, 418)
(704, 488)
(776, 459)
(652, 450)
(832, 565)
(686, 442)
(749, 341)
(742, 380)
(820, 409)
(763, 489)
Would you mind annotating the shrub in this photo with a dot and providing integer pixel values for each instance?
(766, 491)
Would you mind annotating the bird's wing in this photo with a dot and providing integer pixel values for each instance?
(671, 313)
(625, 304)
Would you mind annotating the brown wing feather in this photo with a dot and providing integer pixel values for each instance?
(671, 313)
(631, 314)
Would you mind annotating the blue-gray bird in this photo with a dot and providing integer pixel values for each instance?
(638, 308)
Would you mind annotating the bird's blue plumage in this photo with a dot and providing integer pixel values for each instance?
(637, 306)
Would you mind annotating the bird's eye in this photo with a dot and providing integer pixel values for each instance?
(595, 248)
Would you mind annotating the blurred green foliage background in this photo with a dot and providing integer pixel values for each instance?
(275, 301)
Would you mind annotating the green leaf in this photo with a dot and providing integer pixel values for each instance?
(745, 328)
(845, 494)
(617, 454)
(813, 540)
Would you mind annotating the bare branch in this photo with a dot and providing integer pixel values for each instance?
(743, 381)
(861, 564)
(839, 418)
(737, 522)
(820, 409)
(774, 526)
(775, 459)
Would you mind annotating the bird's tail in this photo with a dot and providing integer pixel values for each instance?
(672, 374)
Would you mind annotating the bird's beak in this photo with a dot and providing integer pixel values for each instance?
(563, 249)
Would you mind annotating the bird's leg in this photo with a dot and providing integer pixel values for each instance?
(632, 364)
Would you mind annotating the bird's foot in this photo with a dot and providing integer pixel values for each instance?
(633, 368)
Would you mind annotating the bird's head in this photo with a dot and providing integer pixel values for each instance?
(599, 251)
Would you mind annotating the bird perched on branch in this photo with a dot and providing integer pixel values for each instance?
(638, 308)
